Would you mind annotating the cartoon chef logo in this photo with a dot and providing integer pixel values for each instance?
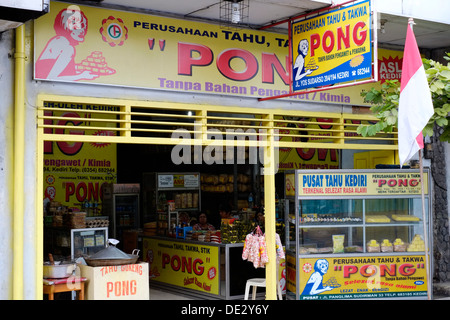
(57, 60)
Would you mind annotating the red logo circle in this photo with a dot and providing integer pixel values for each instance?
(212, 273)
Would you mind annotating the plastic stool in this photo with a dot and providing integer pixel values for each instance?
(258, 282)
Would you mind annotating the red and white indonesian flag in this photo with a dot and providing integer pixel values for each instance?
(415, 105)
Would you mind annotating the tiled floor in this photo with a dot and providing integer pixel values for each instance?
(159, 294)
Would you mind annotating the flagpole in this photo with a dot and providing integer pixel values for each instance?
(425, 233)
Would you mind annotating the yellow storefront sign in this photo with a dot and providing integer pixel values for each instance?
(74, 172)
(120, 48)
(125, 48)
(361, 183)
(186, 265)
(308, 158)
(334, 47)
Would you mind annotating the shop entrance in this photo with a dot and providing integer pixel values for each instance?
(161, 136)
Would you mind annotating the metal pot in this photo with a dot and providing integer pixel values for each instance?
(111, 256)
(63, 270)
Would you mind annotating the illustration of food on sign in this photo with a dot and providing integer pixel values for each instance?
(96, 64)
(332, 282)
(312, 65)
(57, 59)
(356, 61)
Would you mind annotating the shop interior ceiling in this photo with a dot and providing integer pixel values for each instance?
(429, 35)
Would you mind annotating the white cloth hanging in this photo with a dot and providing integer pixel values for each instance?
(255, 248)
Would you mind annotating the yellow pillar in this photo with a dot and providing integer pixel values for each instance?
(19, 151)
(39, 228)
(269, 206)
(339, 125)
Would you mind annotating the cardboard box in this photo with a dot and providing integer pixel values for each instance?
(126, 282)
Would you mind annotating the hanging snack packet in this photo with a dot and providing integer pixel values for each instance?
(338, 243)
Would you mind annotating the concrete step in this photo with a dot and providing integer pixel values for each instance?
(441, 289)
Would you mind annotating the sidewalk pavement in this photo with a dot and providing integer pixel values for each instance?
(441, 291)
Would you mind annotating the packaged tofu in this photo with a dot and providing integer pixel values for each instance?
(373, 246)
(386, 246)
(338, 243)
(399, 245)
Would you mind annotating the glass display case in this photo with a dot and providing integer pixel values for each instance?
(63, 242)
(86, 242)
(358, 220)
(121, 202)
(352, 221)
(169, 199)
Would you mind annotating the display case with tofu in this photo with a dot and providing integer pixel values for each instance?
(350, 220)
(371, 212)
